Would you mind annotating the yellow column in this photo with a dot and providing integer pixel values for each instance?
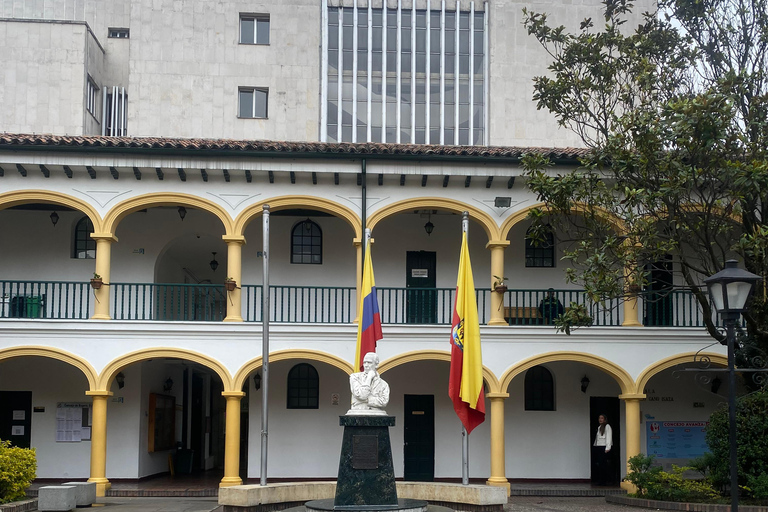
(631, 429)
(235, 271)
(99, 441)
(232, 439)
(497, 269)
(498, 472)
(358, 243)
(103, 265)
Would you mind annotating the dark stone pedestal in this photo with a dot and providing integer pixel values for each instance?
(366, 473)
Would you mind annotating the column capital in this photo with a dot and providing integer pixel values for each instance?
(109, 237)
(497, 396)
(632, 396)
(234, 239)
(233, 394)
(496, 243)
(99, 393)
(358, 242)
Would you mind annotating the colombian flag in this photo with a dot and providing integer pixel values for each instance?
(465, 386)
(369, 320)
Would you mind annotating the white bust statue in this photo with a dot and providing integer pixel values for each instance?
(370, 394)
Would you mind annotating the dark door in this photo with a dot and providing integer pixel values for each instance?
(658, 299)
(16, 417)
(420, 281)
(609, 406)
(197, 434)
(419, 438)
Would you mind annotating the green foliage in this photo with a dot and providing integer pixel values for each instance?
(752, 446)
(675, 113)
(654, 484)
(17, 470)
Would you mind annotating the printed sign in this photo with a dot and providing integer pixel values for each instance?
(676, 439)
(419, 272)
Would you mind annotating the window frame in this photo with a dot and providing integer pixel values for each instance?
(536, 256)
(255, 18)
(86, 240)
(300, 225)
(309, 383)
(91, 96)
(539, 398)
(253, 91)
(118, 33)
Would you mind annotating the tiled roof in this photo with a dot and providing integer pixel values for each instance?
(10, 141)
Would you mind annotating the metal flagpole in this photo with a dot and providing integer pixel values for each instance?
(265, 349)
(464, 435)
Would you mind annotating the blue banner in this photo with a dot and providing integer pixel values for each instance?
(676, 439)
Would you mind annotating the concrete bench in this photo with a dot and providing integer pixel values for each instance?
(56, 498)
(280, 496)
(85, 493)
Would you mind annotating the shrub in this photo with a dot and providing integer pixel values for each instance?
(655, 484)
(752, 451)
(17, 470)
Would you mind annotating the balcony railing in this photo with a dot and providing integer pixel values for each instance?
(322, 304)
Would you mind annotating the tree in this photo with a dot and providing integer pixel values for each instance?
(675, 114)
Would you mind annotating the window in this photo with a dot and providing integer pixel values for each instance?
(540, 253)
(91, 93)
(84, 245)
(404, 75)
(307, 243)
(539, 390)
(254, 29)
(119, 33)
(114, 114)
(253, 103)
(303, 387)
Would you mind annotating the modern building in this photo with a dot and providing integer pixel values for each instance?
(140, 144)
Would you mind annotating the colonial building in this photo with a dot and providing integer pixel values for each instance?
(141, 143)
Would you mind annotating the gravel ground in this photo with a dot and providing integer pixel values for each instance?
(545, 504)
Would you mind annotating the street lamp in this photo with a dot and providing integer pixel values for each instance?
(729, 289)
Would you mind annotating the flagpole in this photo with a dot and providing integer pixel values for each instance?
(265, 350)
(464, 435)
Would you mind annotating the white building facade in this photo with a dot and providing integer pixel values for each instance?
(167, 126)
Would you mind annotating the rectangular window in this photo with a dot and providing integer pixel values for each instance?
(254, 28)
(119, 33)
(91, 92)
(114, 114)
(253, 103)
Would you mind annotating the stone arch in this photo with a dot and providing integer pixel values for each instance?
(281, 203)
(620, 375)
(9, 199)
(282, 355)
(54, 353)
(488, 224)
(521, 215)
(121, 210)
(669, 362)
(109, 371)
(435, 355)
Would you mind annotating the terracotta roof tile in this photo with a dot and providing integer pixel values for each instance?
(10, 141)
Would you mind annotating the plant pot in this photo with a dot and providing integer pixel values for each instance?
(502, 288)
(230, 285)
(96, 283)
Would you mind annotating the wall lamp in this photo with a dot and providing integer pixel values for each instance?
(584, 384)
(168, 385)
(54, 218)
(429, 227)
(182, 213)
(257, 381)
(214, 264)
(120, 379)
(715, 385)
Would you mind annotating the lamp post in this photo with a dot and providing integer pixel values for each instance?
(730, 289)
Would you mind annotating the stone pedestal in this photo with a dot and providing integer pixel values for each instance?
(366, 472)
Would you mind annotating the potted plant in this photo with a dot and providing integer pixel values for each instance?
(230, 284)
(96, 281)
(500, 285)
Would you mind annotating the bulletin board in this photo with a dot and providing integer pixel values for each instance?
(162, 422)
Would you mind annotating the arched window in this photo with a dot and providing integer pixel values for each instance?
(540, 253)
(303, 387)
(83, 246)
(539, 390)
(307, 243)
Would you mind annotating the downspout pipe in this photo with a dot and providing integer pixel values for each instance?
(364, 191)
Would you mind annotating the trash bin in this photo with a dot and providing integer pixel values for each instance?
(183, 462)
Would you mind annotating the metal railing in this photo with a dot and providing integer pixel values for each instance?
(45, 299)
(324, 304)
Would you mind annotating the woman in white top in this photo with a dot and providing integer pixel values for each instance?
(600, 450)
